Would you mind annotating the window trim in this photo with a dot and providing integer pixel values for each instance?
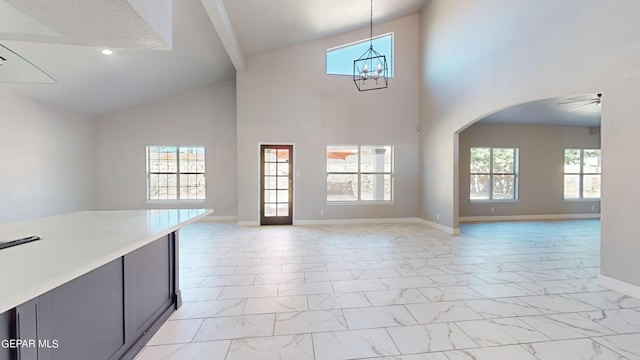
(390, 57)
(359, 173)
(580, 176)
(148, 199)
(515, 174)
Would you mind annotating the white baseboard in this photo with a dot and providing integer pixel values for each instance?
(620, 286)
(528, 217)
(356, 221)
(212, 218)
(447, 229)
(363, 221)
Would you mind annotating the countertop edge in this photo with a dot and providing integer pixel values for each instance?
(39, 289)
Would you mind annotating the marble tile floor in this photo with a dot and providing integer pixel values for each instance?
(512, 290)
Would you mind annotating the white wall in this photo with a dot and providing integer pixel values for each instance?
(285, 97)
(47, 167)
(481, 56)
(541, 173)
(204, 117)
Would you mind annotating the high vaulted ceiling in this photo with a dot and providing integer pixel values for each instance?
(91, 83)
(263, 26)
(88, 82)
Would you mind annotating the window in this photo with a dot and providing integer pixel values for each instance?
(494, 174)
(175, 173)
(359, 173)
(340, 59)
(582, 172)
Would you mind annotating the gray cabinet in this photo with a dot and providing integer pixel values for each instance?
(6, 333)
(106, 314)
(84, 316)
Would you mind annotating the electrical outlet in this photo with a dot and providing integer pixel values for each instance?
(438, 216)
(321, 212)
(593, 207)
(493, 210)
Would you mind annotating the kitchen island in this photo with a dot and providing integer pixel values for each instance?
(97, 285)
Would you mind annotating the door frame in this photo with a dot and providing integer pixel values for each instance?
(294, 174)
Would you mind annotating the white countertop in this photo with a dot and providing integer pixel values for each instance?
(74, 244)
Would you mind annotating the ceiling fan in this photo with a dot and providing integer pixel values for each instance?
(579, 103)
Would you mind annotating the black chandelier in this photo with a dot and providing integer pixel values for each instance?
(370, 70)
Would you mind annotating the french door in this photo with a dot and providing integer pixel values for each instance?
(276, 184)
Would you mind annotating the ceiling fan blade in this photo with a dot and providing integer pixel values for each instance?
(575, 101)
(591, 102)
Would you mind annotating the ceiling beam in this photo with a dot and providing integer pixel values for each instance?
(220, 19)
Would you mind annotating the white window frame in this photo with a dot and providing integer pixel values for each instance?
(177, 173)
(491, 173)
(359, 174)
(581, 175)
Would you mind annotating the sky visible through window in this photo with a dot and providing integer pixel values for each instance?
(340, 59)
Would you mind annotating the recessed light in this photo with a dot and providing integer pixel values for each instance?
(107, 52)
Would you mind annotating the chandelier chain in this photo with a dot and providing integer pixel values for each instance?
(371, 27)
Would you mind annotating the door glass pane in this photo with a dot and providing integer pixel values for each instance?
(479, 187)
(269, 196)
(270, 155)
(480, 160)
(283, 169)
(283, 196)
(592, 162)
(342, 187)
(571, 186)
(591, 187)
(283, 210)
(503, 160)
(283, 182)
(269, 210)
(270, 169)
(283, 155)
(270, 182)
(503, 187)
